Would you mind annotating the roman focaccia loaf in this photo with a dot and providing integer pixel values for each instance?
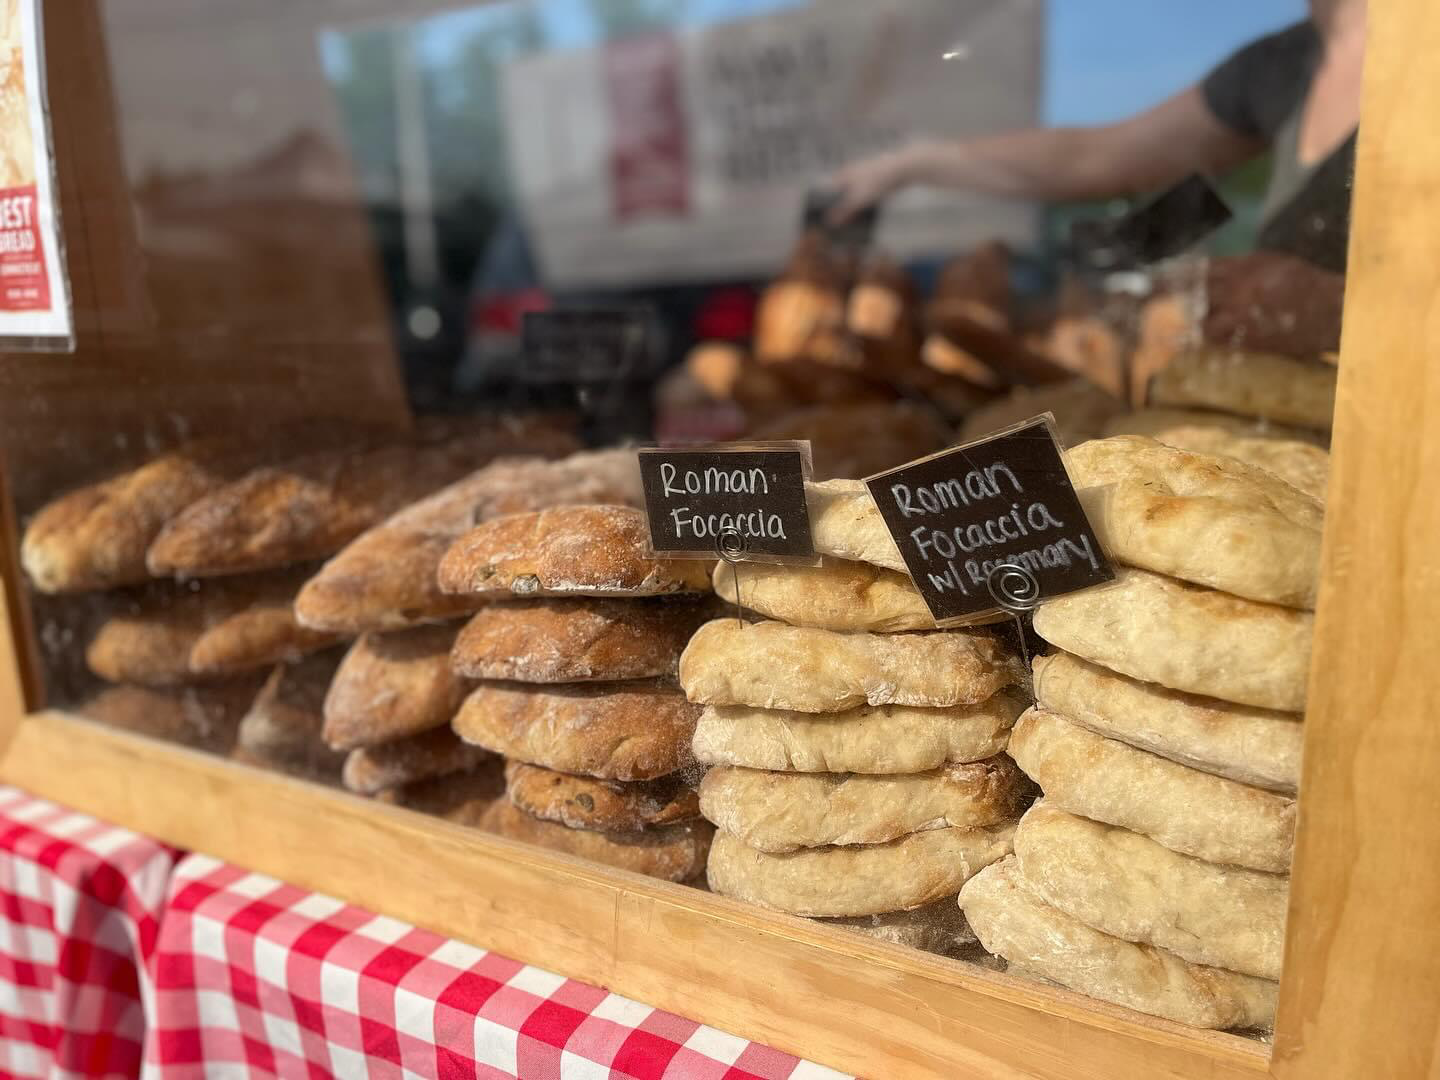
(875, 739)
(313, 506)
(779, 812)
(393, 685)
(556, 640)
(1012, 921)
(1160, 630)
(1204, 519)
(1265, 385)
(636, 730)
(1253, 746)
(385, 579)
(838, 595)
(669, 852)
(868, 879)
(770, 665)
(583, 802)
(1302, 465)
(1128, 885)
(282, 727)
(846, 524)
(567, 551)
(370, 769)
(1188, 811)
(96, 537)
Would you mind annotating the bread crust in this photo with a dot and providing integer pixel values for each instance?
(636, 730)
(770, 665)
(393, 685)
(564, 641)
(1302, 465)
(567, 551)
(873, 739)
(1012, 921)
(1161, 630)
(1264, 385)
(583, 802)
(1191, 812)
(1209, 520)
(779, 812)
(846, 524)
(871, 879)
(670, 852)
(385, 579)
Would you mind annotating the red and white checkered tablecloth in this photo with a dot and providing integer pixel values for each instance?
(80, 908)
(257, 978)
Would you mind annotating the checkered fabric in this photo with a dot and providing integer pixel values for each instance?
(80, 905)
(257, 978)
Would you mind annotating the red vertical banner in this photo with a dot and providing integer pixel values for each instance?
(24, 283)
(650, 151)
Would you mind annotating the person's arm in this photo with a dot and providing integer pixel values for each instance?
(1151, 150)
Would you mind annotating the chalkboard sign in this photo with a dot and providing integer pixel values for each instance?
(743, 501)
(854, 236)
(1168, 224)
(964, 518)
(587, 345)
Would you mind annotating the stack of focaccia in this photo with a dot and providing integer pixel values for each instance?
(573, 675)
(1166, 739)
(856, 752)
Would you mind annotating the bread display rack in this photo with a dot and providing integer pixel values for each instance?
(1360, 992)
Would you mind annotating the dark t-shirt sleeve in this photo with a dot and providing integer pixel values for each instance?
(1255, 90)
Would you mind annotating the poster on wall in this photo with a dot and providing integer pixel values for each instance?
(35, 311)
(686, 154)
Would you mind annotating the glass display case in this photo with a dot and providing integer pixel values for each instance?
(324, 549)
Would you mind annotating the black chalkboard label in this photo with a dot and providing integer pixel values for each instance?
(744, 501)
(1168, 224)
(852, 237)
(1005, 501)
(587, 345)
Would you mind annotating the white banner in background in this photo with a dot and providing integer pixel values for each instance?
(686, 156)
(34, 295)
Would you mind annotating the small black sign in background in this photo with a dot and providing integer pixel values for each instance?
(1168, 224)
(587, 345)
(1006, 500)
(748, 500)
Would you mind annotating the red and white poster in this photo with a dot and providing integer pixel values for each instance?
(34, 296)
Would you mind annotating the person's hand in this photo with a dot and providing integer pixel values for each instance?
(861, 184)
(1270, 302)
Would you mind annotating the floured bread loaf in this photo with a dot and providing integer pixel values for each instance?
(1153, 422)
(1208, 520)
(1188, 811)
(1128, 885)
(1011, 920)
(370, 769)
(846, 524)
(568, 551)
(202, 717)
(1302, 465)
(838, 595)
(313, 506)
(583, 802)
(670, 852)
(1278, 388)
(259, 635)
(282, 726)
(878, 739)
(385, 578)
(1254, 746)
(937, 928)
(1161, 630)
(148, 640)
(614, 731)
(96, 536)
(459, 797)
(564, 641)
(769, 665)
(393, 685)
(870, 879)
(778, 812)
